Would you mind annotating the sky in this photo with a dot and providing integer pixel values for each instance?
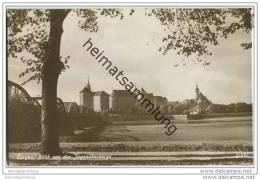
(132, 45)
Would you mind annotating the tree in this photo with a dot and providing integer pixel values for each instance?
(23, 120)
(38, 33)
(190, 31)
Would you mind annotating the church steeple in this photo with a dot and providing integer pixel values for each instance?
(88, 85)
(197, 91)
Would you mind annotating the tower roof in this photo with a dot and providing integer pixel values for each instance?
(86, 88)
(197, 87)
(88, 85)
(197, 90)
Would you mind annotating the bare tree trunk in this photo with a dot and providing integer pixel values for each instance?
(49, 121)
(51, 70)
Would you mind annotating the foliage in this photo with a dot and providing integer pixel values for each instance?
(188, 31)
(23, 121)
(231, 108)
(92, 118)
(183, 107)
(142, 147)
(187, 106)
(28, 36)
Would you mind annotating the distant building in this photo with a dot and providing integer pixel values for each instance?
(159, 101)
(86, 97)
(96, 101)
(101, 101)
(201, 100)
(121, 101)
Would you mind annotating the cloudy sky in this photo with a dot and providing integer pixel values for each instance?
(132, 45)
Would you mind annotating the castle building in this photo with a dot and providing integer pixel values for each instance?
(121, 101)
(86, 97)
(158, 101)
(101, 101)
(96, 101)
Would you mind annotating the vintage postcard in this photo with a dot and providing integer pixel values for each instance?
(130, 85)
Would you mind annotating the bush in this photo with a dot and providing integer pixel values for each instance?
(93, 119)
(23, 121)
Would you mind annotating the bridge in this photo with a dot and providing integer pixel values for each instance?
(15, 89)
